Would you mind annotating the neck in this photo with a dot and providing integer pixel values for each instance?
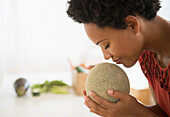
(157, 36)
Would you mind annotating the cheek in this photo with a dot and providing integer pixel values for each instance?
(132, 55)
(118, 49)
(129, 52)
(132, 46)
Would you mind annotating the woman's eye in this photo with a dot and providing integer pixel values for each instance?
(107, 46)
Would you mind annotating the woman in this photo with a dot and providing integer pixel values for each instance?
(128, 31)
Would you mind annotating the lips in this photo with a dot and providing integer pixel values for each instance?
(117, 60)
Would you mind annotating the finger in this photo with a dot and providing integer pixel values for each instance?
(105, 104)
(85, 103)
(84, 92)
(118, 94)
(93, 106)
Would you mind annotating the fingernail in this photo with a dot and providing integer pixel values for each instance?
(110, 91)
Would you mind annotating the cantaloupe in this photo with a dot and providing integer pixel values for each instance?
(106, 76)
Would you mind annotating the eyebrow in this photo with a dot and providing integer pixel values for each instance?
(100, 41)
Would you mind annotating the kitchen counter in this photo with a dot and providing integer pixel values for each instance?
(45, 105)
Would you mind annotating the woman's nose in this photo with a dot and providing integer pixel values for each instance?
(106, 54)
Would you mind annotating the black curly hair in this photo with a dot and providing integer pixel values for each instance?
(111, 13)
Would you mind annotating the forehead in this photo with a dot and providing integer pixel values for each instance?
(95, 33)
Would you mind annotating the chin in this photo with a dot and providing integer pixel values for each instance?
(129, 64)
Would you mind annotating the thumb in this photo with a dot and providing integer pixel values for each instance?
(118, 94)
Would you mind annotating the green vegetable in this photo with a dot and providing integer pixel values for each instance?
(36, 89)
(45, 86)
(58, 83)
(59, 89)
(21, 86)
(82, 69)
(55, 86)
(36, 92)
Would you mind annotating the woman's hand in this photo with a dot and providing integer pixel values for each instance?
(127, 106)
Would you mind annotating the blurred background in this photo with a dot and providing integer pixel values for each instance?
(37, 37)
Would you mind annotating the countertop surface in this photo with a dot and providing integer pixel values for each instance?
(45, 105)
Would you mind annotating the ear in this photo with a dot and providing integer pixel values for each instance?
(133, 23)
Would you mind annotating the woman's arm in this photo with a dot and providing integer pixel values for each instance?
(156, 108)
(126, 106)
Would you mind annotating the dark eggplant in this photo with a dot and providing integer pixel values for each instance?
(21, 86)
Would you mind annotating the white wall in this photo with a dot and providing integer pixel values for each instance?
(164, 11)
(38, 36)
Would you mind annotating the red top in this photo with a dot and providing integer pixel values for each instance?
(159, 78)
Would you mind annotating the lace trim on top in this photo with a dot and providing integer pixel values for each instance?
(152, 69)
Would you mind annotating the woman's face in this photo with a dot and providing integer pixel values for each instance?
(123, 46)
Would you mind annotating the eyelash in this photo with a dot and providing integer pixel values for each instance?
(107, 46)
